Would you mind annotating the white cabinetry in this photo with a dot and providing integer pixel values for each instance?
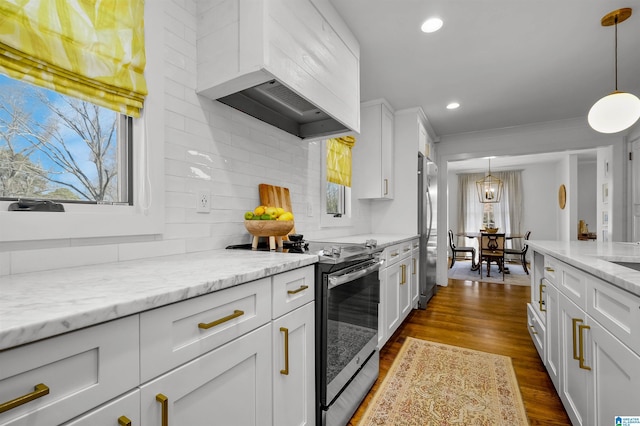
(593, 341)
(74, 372)
(395, 290)
(304, 44)
(293, 348)
(218, 356)
(373, 153)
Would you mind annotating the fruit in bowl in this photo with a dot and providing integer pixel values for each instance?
(491, 230)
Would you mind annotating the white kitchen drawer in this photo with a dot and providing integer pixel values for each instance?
(82, 369)
(573, 284)
(617, 310)
(125, 407)
(550, 268)
(292, 289)
(394, 253)
(172, 335)
(537, 331)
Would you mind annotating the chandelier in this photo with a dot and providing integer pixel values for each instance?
(618, 110)
(489, 188)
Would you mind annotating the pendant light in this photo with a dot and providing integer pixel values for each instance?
(618, 110)
(489, 188)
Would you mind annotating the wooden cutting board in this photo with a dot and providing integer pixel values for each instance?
(276, 196)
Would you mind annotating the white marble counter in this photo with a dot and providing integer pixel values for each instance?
(43, 304)
(595, 258)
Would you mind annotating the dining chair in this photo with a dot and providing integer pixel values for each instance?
(492, 249)
(455, 249)
(522, 253)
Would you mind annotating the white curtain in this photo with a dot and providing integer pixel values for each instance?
(506, 215)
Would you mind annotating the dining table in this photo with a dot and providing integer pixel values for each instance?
(470, 234)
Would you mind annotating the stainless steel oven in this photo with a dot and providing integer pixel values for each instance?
(347, 300)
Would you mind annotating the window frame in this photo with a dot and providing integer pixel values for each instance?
(146, 215)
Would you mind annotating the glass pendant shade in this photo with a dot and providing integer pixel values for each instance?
(489, 189)
(614, 113)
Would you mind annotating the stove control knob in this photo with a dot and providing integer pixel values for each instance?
(336, 251)
(371, 243)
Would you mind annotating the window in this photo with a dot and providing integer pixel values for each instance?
(56, 147)
(335, 198)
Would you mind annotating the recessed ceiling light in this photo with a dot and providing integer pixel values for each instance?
(453, 105)
(431, 25)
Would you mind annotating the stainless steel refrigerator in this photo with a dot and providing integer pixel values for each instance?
(427, 212)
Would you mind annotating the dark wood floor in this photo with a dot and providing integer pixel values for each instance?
(486, 317)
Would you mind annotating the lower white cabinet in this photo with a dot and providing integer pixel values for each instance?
(240, 356)
(64, 376)
(592, 331)
(294, 368)
(395, 290)
(230, 385)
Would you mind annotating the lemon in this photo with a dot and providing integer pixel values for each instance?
(280, 210)
(258, 211)
(271, 211)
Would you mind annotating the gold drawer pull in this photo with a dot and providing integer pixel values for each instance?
(574, 321)
(386, 186)
(414, 266)
(541, 300)
(394, 254)
(286, 351)
(403, 278)
(124, 421)
(302, 287)
(237, 313)
(581, 347)
(549, 269)
(534, 329)
(164, 404)
(406, 249)
(39, 391)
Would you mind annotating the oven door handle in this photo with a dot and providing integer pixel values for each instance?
(345, 278)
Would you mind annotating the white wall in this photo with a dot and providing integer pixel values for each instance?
(207, 146)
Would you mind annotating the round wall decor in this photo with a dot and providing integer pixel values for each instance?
(562, 196)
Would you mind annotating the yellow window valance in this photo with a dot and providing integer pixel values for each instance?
(339, 160)
(90, 49)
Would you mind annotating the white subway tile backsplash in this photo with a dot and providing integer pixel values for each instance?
(208, 146)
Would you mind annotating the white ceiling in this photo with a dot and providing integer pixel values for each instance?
(508, 62)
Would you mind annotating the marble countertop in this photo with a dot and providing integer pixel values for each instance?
(596, 257)
(37, 305)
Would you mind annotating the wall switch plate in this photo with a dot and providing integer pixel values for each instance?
(203, 202)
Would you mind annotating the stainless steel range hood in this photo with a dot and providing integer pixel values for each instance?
(274, 103)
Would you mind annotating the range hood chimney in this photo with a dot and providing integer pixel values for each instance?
(276, 104)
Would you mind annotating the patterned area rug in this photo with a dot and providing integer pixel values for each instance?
(435, 384)
(462, 271)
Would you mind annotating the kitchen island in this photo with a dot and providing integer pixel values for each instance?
(584, 320)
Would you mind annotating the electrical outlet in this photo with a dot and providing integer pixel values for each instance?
(203, 202)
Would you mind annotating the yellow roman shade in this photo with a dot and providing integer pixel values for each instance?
(339, 160)
(89, 49)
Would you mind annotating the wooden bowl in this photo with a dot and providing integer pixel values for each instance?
(491, 230)
(268, 228)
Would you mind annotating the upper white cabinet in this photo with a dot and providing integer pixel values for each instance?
(303, 44)
(373, 153)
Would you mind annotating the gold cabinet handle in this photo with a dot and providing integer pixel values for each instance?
(549, 269)
(414, 266)
(40, 390)
(302, 287)
(124, 421)
(403, 279)
(581, 347)
(541, 301)
(534, 329)
(394, 254)
(237, 313)
(386, 186)
(164, 404)
(574, 321)
(286, 351)
(406, 249)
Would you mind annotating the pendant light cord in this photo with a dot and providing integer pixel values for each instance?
(616, 48)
